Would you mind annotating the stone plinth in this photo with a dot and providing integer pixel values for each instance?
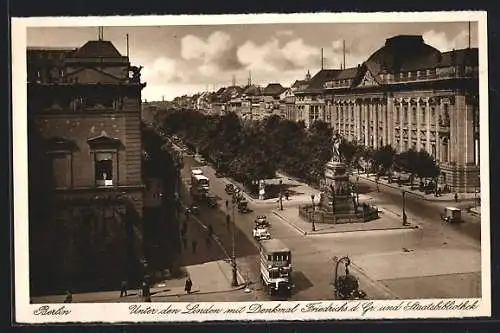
(336, 188)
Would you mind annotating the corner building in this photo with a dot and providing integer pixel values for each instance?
(408, 95)
(85, 167)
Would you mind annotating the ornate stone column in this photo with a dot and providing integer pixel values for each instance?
(418, 123)
(376, 124)
(367, 123)
(427, 125)
(389, 107)
(401, 124)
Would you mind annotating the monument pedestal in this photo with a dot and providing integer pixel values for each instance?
(337, 190)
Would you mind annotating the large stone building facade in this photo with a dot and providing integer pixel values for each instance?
(85, 165)
(407, 95)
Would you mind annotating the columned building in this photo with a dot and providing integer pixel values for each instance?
(85, 167)
(411, 96)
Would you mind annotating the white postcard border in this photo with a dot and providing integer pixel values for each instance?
(121, 312)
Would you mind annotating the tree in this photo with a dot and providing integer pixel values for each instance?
(348, 150)
(407, 161)
(383, 159)
(426, 166)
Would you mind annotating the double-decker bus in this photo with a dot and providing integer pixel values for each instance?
(276, 266)
(200, 184)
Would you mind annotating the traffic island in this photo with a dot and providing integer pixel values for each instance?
(292, 217)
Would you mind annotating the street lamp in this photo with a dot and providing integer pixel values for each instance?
(313, 225)
(281, 194)
(234, 281)
(404, 210)
(336, 281)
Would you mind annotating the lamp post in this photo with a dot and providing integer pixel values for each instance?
(313, 225)
(234, 281)
(404, 210)
(347, 262)
(281, 194)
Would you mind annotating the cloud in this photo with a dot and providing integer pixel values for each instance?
(441, 41)
(284, 33)
(161, 70)
(270, 56)
(216, 53)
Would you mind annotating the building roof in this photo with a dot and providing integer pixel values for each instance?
(298, 83)
(463, 57)
(274, 245)
(403, 53)
(317, 81)
(348, 73)
(97, 49)
(273, 89)
(251, 90)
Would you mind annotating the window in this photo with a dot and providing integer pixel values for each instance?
(424, 120)
(61, 171)
(60, 154)
(105, 158)
(414, 115)
(397, 114)
(103, 169)
(405, 115)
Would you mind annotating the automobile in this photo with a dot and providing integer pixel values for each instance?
(229, 189)
(243, 206)
(451, 215)
(261, 220)
(261, 233)
(198, 158)
(194, 209)
(211, 201)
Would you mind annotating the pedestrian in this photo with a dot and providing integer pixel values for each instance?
(188, 285)
(287, 195)
(123, 289)
(193, 246)
(146, 294)
(456, 197)
(69, 297)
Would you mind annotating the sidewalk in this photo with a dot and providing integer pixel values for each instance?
(208, 278)
(446, 197)
(305, 191)
(385, 222)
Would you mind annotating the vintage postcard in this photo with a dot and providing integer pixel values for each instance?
(251, 167)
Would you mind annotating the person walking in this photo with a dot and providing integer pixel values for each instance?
(123, 289)
(146, 294)
(456, 197)
(69, 297)
(188, 285)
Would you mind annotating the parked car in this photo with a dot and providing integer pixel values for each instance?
(262, 221)
(229, 189)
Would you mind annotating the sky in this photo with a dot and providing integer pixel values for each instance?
(189, 59)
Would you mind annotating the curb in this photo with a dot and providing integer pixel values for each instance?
(319, 232)
(217, 240)
(418, 195)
